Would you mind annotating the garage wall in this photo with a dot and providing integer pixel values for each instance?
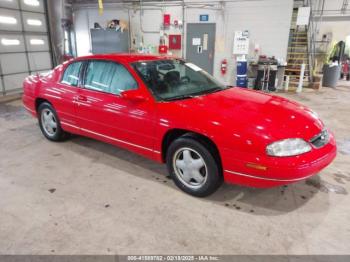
(84, 20)
(340, 30)
(334, 20)
(274, 15)
(24, 42)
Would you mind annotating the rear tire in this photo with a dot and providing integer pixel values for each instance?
(50, 124)
(193, 167)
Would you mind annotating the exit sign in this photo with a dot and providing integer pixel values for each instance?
(204, 18)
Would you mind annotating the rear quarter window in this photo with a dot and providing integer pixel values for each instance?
(71, 74)
(108, 77)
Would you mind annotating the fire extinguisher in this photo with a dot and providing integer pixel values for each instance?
(223, 66)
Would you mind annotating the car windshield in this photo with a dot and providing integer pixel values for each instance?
(173, 79)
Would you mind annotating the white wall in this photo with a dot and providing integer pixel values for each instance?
(339, 29)
(334, 21)
(268, 23)
(84, 19)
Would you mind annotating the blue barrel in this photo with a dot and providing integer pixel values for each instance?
(242, 81)
(242, 67)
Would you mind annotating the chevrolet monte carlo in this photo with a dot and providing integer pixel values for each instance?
(172, 111)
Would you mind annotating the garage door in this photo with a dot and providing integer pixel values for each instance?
(24, 42)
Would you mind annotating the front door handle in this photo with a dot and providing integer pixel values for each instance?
(81, 98)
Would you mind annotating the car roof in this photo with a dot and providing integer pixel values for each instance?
(125, 57)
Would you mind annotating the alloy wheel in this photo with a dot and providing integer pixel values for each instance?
(49, 122)
(190, 167)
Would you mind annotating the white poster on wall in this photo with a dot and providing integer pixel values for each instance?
(241, 43)
(303, 15)
(196, 41)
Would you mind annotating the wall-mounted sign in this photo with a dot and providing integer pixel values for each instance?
(196, 41)
(303, 17)
(204, 18)
(205, 42)
(241, 43)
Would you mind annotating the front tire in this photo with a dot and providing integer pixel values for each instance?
(193, 167)
(49, 123)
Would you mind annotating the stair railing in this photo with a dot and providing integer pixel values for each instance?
(312, 33)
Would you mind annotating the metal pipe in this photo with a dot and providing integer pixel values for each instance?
(144, 4)
(53, 57)
(301, 79)
(129, 29)
(56, 12)
(183, 30)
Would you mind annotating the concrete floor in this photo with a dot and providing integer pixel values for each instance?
(87, 197)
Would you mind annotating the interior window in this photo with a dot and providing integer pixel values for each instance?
(71, 75)
(108, 77)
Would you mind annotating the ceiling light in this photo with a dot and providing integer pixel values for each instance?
(6, 41)
(8, 20)
(37, 42)
(35, 22)
(32, 2)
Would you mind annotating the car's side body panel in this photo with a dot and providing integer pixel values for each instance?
(63, 98)
(108, 116)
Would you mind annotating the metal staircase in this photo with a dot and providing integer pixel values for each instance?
(317, 47)
(297, 54)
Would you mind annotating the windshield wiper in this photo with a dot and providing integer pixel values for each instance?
(215, 89)
(209, 91)
(178, 97)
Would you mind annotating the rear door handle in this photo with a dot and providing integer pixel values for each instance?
(81, 98)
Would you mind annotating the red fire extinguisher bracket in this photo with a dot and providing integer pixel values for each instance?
(163, 49)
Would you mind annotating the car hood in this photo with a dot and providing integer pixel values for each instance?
(247, 113)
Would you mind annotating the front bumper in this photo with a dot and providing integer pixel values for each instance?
(280, 170)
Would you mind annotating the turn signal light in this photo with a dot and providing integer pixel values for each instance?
(256, 166)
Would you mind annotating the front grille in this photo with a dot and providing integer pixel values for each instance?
(321, 139)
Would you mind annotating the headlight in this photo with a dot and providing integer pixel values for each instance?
(288, 147)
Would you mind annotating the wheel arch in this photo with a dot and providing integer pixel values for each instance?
(173, 134)
(39, 101)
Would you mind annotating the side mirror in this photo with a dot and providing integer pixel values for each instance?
(133, 95)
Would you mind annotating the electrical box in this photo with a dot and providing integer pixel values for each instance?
(103, 41)
(175, 42)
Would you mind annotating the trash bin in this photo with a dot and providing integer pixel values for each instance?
(331, 74)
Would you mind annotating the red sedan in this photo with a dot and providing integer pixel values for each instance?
(172, 111)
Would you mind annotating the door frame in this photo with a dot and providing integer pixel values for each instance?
(186, 39)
